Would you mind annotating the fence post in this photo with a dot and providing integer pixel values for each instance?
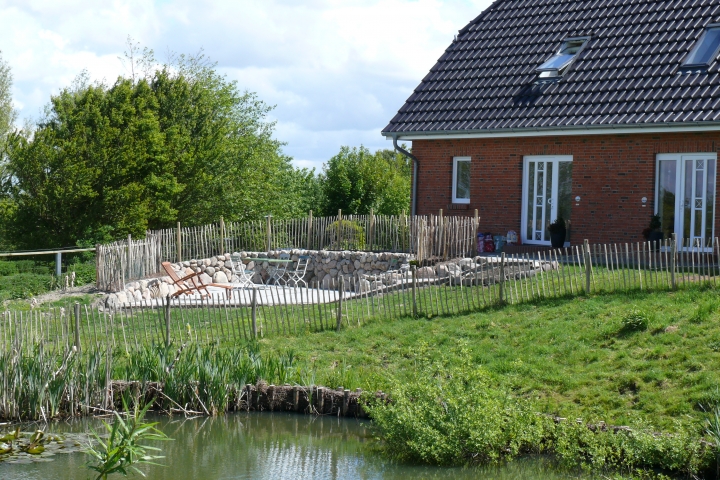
(413, 269)
(58, 264)
(441, 228)
(222, 236)
(673, 260)
(253, 314)
(588, 266)
(167, 321)
(178, 243)
(341, 291)
(77, 326)
(502, 277)
(309, 231)
(129, 258)
(98, 273)
(339, 231)
(268, 231)
(372, 229)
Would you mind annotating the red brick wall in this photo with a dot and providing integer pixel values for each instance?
(611, 174)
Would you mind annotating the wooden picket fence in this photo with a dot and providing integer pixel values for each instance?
(126, 260)
(282, 311)
(426, 236)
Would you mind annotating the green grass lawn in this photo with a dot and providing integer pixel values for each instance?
(574, 357)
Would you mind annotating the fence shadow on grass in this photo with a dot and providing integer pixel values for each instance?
(463, 286)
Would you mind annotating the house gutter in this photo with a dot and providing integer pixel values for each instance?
(413, 196)
(552, 131)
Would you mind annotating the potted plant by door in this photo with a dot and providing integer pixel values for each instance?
(653, 233)
(558, 232)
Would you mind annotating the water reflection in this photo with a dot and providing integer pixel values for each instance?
(269, 446)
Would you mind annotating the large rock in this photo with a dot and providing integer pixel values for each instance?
(220, 277)
(466, 263)
(111, 301)
(363, 286)
(426, 272)
(210, 271)
(163, 289)
(443, 271)
(122, 298)
(454, 269)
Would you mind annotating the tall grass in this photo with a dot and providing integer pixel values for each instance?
(41, 385)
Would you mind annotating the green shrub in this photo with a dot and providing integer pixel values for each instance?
(23, 285)
(640, 448)
(85, 273)
(8, 268)
(346, 235)
(635, 321)
(457, 415)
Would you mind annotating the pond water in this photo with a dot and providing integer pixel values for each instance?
(268, 446)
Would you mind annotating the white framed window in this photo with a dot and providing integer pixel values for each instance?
(461, 180)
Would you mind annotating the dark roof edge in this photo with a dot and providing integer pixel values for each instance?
(558, 131)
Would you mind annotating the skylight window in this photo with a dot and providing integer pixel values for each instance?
(706, 49)
(563, 58)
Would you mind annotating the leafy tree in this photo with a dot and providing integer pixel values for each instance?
(356, 180)
(8, 115)
(179, 143)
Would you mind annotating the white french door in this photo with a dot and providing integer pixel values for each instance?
(685, 196)
(547, 187)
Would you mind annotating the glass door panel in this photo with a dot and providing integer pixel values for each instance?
(667, 187)
(686, 197)
(564, 195)
(547, 189)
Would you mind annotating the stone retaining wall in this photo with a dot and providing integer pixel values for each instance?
(369, 271)
(324, 267)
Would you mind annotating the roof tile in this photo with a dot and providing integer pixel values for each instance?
(627, 73)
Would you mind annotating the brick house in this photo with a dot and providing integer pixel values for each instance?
(600, 112)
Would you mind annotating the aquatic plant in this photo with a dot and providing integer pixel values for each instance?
(125, 447)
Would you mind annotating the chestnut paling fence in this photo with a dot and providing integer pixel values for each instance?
(431, 236)
(470, 285)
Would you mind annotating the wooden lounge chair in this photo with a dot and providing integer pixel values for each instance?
(191, 284)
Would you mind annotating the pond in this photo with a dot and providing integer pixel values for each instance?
(267, 446)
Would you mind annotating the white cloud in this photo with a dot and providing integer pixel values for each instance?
(337, 70)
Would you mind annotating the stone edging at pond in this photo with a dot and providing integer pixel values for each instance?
(313, 400)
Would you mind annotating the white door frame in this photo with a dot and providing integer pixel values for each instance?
(680, 172)
(555, 159)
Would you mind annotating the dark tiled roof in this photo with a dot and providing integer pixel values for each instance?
(626, 75)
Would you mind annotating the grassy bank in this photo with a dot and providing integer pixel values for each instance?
(614, 357)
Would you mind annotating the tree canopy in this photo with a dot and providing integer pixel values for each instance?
(356, 181)
(7, 111)
(179, 143)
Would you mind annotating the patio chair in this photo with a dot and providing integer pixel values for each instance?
(277, 273)
(238, 268)
(191, 284)
(298, 274)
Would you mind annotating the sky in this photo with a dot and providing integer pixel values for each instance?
(336, 71)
